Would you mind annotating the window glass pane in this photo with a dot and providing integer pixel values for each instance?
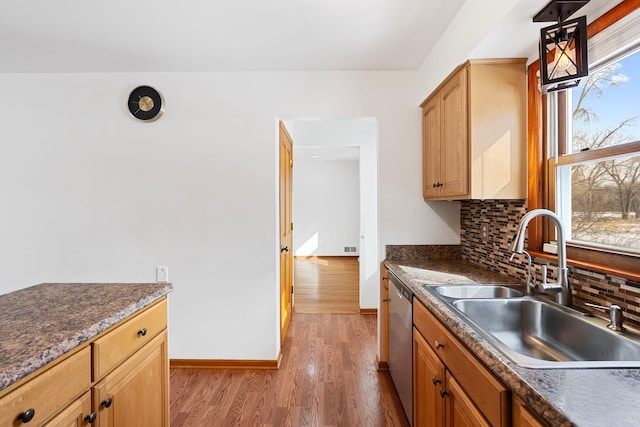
(605, 202)
(605, 109)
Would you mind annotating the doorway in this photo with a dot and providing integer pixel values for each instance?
(326, 284)
(359, 247)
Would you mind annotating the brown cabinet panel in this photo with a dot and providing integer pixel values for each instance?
(77, 414)
(474, 133)
(428, 381)
(522, 417)
(489, 396)
(49, 391)
(460, 409)
(127, 338)
(136, 393)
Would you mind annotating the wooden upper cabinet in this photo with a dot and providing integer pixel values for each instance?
(474, 133)
(431, 148)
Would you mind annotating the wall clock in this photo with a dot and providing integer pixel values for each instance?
(146, 103)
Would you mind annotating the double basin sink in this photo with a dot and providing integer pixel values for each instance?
(537, 333)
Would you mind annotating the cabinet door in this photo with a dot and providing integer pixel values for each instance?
(460, 409)
(522, 417)
(428, 380)
(384, 319)
(431, 153)
(78, 414)
(454, 133)
(136, 393)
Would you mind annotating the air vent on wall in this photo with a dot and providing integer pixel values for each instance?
(349, 249)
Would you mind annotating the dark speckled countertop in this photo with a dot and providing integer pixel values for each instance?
(561, 397)
(41, 323)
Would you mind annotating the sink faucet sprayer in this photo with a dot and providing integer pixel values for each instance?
(562, 290)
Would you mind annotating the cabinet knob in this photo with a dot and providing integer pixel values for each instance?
(142, 332)
(386, 300)
(91, 417)
(439, 345)
(436, 381)
(107, 402)
(443, 393)
(27, 415)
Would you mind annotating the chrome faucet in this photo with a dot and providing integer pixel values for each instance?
(561, 289)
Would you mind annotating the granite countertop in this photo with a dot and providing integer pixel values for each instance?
(561, 397)
(41, 323)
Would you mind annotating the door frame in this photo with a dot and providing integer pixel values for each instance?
(285, 172)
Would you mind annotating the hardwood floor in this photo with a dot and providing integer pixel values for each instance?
(327, 378)
(326, 285)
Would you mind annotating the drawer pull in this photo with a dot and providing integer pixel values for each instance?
(142, 332)
(443, 393)
(27, 415)
(436, 381)
(107, 402)
(439, 345)
(91, 417)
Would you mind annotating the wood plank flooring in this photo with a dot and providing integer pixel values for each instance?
(327, 378)
(326, 285)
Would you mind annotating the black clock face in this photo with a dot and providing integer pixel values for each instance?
(146, 103)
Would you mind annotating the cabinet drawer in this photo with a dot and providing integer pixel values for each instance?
(48, 392)
(124, 340)
(489, 394)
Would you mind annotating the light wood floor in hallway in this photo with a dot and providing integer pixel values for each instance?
(326, 285)
(327, 378)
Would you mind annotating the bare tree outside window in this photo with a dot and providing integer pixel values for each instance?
(605, 204)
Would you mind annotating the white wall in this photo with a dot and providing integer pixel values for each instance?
(474, 21)
(90, 194)
(326, 207)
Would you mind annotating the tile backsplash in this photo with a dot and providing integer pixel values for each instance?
(501, 217)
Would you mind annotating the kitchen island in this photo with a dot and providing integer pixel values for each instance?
(582, 397)
(93, 330)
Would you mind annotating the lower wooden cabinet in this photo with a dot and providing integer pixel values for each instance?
(136, 392)
(383, 318)
(460, 411)
(48, 391)
(428, 382)
(451, 387)
(77, 414)
(522, 417)
(129, 385)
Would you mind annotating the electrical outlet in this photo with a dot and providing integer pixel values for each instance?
(162, 273)
(484, 232)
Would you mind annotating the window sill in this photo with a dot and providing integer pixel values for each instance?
(611, 268)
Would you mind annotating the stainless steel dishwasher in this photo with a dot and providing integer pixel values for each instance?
(401, 342)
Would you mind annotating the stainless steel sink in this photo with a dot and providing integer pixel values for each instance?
(537, 333)
(477, 291)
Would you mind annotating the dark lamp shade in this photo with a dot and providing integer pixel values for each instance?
(563, 54)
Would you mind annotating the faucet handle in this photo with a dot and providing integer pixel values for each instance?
(546, 287)
(615, 315)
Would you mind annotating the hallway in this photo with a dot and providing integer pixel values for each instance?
(327, 284)
(327, 378)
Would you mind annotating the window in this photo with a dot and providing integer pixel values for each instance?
(597, 178)
(588, 170)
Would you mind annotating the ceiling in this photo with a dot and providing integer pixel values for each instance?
(219, 35)
(251, 35)
(326, 154)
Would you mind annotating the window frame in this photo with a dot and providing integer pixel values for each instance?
(541, 177)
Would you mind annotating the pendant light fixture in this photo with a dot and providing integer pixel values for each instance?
(563, 46)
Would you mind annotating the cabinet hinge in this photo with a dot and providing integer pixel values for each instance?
(291, 226)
